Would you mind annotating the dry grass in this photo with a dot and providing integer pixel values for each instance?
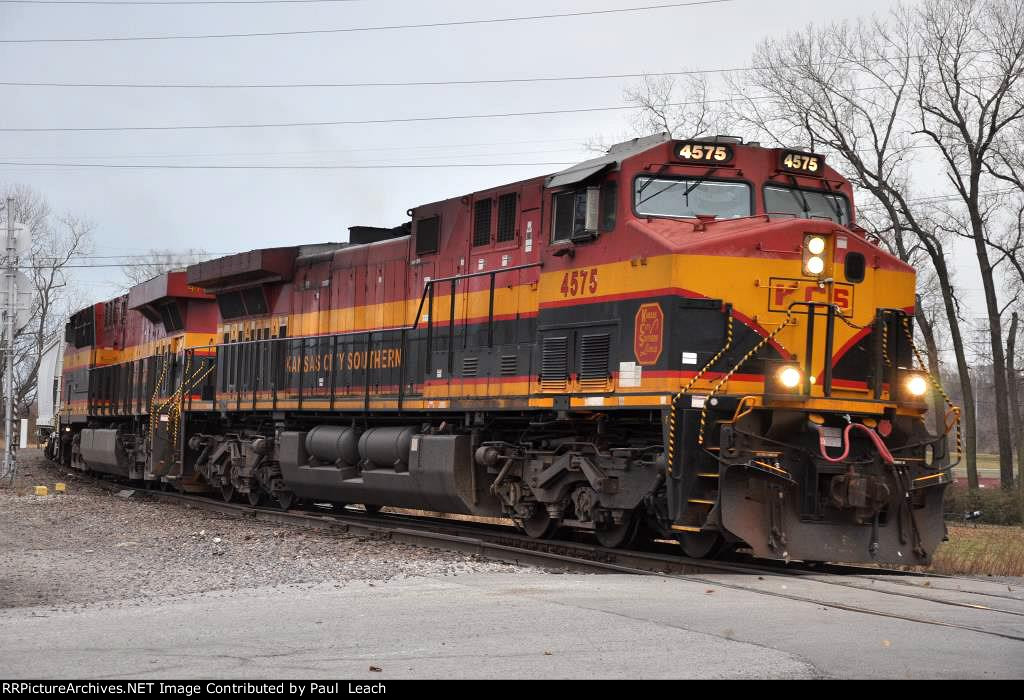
(986, 549)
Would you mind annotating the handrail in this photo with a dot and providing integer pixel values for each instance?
(427, 297)
(881, 352)
(831, 310)
(455, 278)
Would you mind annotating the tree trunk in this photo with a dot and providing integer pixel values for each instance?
(995, 330)
(938, 404)
(1012, 388)
(968, 416)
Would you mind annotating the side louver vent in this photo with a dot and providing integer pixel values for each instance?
(554, 369)
(469, 366)
(594, 351)
(509, 365)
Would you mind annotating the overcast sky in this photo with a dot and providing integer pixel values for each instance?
(224, 211)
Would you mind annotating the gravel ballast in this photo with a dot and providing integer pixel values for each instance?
(91, 545)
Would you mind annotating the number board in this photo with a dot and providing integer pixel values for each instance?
(797, 162)
(703, 152)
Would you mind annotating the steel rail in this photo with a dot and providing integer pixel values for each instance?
(502, 543)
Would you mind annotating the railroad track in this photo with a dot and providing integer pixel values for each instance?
(505, 543)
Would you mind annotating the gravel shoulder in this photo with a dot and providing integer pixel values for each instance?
(90, 545)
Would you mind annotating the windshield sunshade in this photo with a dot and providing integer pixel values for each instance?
(688, 198)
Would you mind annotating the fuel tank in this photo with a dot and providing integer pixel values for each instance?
(397, 467)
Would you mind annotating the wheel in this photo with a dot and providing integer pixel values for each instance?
(701, 545)
(285, 499)
(227, 492)
(619, 535)
(255, 496)
(540, 525)
(371, 509)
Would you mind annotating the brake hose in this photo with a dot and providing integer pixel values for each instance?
(875, 438)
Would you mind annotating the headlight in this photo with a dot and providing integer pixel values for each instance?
(917, 385)
(816, 245)
(789, 377)
(814, 265)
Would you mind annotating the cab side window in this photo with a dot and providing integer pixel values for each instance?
(570, 214)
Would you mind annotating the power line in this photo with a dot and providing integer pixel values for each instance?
(378, 28)
(382, 84)
(172, 157)
(346, 122)
(167, 166)
(940, 198)
(167, 2)
(476, 81)
(491, 145)
(157, 253)
(64, 267)
(336, 166)
(400, 120)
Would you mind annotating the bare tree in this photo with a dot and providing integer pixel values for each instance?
(56, 242)
(971, 66)
(138, 269)
(681, 106)
(846, 89)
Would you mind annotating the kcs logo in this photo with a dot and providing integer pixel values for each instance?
(784, 291)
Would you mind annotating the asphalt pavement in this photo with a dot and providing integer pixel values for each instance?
(523, 625)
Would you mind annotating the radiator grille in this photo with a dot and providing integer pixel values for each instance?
(594, 350)
(554, 369)
(509, 365)
(482, 222)
(507, 217)
(469, 366)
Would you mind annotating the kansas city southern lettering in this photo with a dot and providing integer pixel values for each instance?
(385, 358)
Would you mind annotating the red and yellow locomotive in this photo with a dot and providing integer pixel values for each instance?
(679, 339)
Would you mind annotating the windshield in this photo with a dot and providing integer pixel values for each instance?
(686, 198)
(807, 204)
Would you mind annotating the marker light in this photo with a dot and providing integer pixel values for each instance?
(789, 377)
(815, 265)
(816, 245)
(916, 385)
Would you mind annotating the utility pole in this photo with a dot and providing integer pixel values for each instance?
(10, 270)
(16, 303)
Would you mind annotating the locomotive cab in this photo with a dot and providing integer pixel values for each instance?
(743, 295)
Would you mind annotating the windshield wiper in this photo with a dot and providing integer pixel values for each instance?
(663, 189)
(648, 184)
(799, 197)
(697, 183)
(833, 201)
